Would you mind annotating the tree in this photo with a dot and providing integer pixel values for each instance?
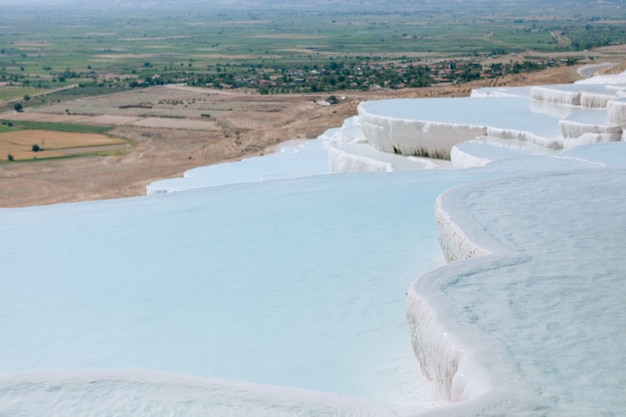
(18, 107)
(10, 157)
(36, 148)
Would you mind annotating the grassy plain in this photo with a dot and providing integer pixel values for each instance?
(18, 93)
(51, 47)
(56, 127)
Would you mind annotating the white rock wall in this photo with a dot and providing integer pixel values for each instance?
(617, 112)
(554, 96)
(463, 160)
(340, 161)
(455, 244)
(415, 137)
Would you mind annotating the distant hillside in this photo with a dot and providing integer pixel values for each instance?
(328, 5)
(331, 5)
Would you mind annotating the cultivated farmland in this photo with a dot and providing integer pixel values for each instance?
(51, 144)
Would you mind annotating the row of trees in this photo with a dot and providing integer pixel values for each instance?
(350, 76)
(317, 78)
(334, 75)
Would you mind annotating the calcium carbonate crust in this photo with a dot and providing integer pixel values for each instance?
(340, 161)
(128, 393)
(463, 160)
(415, 137)
(469, 368)
(454, 370)
(452, 354)
(455, 243)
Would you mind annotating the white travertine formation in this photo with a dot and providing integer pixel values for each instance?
(455, 243)
(547, 325)
(617, 112)
(573, 129)
(160, 394)
(415, 137)
(462, 160)
(340, 161)
(445, 361)
(590, 139)
(595, 100)
(553, 117)
(554, 96)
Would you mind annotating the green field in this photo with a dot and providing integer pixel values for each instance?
(101, 47)
(13, 93)
(56, 127)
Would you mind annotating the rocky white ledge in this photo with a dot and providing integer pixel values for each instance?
(532, 300)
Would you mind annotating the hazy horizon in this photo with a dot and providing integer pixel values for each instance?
(307, 3)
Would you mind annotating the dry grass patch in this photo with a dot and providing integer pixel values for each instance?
(32, 44)
(136, 56)
(20, 143)
(167, 123)
(155, 38)
(289, 36)
(110, 120)
(227, 56)
(41, 117)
